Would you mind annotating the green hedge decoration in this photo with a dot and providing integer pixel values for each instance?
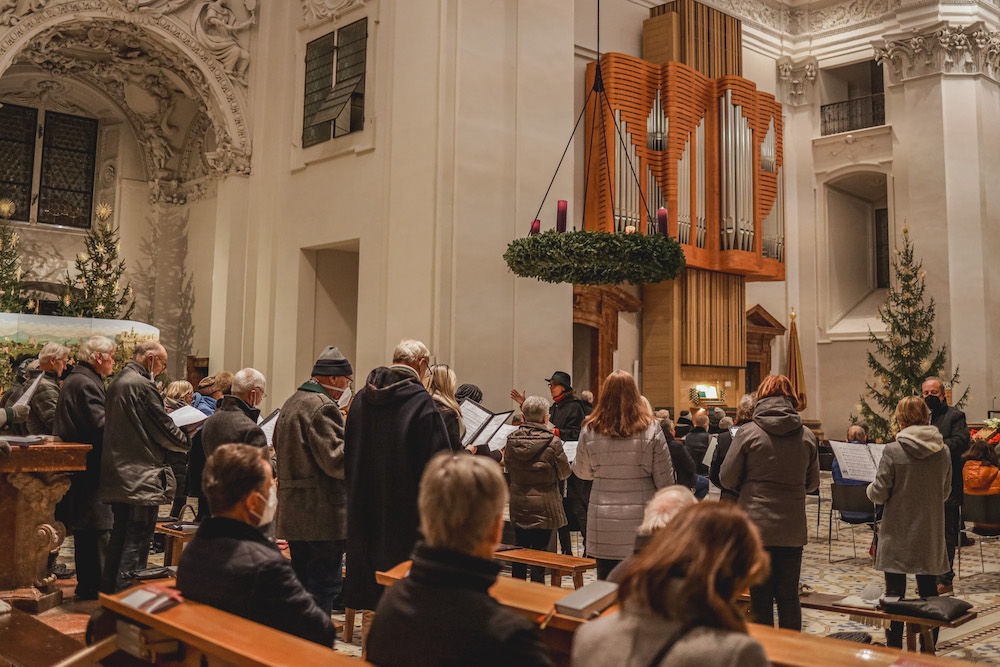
(595, 258)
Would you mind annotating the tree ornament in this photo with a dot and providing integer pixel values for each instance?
(98, 270)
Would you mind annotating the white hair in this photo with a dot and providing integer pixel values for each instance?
(94, 346)
(247, 379)
(146, 347)
(410, 351)
(664, 506)
(52, 351)
(534, 409)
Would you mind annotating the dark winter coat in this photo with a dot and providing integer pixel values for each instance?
(309, 446)
(234, 421)
(451, 424)
(718, 456)
(566, 415)
(80, 418)
(231, 566)
(42, 418)
(137, 435)
(684, 468)
(444, 608)
(772, 463)
(950, 421)
(536, 463)
(697, 442)
(393, 430)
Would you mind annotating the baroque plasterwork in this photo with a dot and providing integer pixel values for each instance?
(796, 80)
(205, 51)
(941, 49)
(317, 10)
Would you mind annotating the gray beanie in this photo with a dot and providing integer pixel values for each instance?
(332, 363)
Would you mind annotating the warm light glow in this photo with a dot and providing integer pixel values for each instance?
(709, 391)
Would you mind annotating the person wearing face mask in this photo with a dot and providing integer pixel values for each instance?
(309, 447)
(231, 565)
(79, 417)
(52, 360)
(950, 422)
(135, 476)
(236, 418)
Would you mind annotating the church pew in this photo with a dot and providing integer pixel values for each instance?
(560, 564)
(784, 648)
(204, 631)
(27, 642)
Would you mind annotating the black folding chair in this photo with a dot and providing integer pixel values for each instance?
(982, 510)
(825, 464)
(846, 498)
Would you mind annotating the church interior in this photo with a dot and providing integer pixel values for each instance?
(792, 188)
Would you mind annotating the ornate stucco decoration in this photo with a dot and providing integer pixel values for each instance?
(942, 48)
(170, 49)
(317, 10)
(796, 79)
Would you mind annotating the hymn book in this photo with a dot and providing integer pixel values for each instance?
(481, 424)
(858, 461)
(267, 425)
(187, 417)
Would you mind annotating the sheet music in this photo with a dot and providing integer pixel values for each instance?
(876, 450)
(499, 441)
(712, 444)
(489, 429)
(187, 416)
(29, 392)
(268, 426)
(570, 449)
(856, 460)
(474, 416)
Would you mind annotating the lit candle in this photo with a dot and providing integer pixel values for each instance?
(561, 216)
(630, 229)
(661, 219)
(536, 227)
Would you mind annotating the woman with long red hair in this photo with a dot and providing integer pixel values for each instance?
(677, 598)
(772, 463)
(622, 449)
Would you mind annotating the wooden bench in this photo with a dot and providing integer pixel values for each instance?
(784, 648)
(27, 642)
(914, 625)
(206, 632)
(561, 565)
(173, 543)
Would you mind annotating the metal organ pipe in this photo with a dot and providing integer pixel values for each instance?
(702, 219)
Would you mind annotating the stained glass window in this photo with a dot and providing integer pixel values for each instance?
(17, 156)
(66, 192)
(335, 84)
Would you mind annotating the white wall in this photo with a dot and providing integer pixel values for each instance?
(850, 221)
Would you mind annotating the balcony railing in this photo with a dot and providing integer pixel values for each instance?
(853, 114)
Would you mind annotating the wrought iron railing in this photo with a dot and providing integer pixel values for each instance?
(853, 114)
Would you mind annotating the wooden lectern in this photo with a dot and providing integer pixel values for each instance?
(32, 481)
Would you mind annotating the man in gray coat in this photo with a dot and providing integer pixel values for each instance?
(312, 503)
(135, 477)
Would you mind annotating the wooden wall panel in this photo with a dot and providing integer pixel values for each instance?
(710, 41)
(713, 329)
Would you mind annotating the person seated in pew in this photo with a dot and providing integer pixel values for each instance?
(442, 613)
(678, 598)
(230, 565)
(663, 507)
(855, 434)
(981, 477)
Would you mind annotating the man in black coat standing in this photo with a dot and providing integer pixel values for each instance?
(79, 417)
(230, 565)
(235, 421)
(950, 421)
(393, 430)
(697, 442)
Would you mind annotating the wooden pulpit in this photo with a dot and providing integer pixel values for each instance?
(32, 480)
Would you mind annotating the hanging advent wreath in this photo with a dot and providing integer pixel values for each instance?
(595, 258)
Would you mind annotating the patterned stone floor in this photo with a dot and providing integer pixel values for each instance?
(977, 641)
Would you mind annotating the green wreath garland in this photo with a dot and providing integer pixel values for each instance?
(595, 258)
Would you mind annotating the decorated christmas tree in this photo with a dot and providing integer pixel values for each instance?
(97, 290)
(11, 300)
(906, 355)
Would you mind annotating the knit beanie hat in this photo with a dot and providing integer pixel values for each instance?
(469, 391)
(332, 363)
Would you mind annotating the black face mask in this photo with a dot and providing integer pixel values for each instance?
(933, 402)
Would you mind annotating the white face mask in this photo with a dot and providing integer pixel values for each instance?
(270, 507)
(345, 393)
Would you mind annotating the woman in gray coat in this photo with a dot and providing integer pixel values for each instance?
(621, 448)
(913, 481)
(772, 463)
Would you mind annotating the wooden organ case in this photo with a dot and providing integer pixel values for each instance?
(709, 151)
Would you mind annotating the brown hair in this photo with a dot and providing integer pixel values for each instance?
(694, 567)
(980, 450)
(912, 411)
(231, 472)
(223, 381)
(619, 412)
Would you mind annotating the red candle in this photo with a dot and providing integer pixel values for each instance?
(536, 227)
(661, 219)
(561, 216)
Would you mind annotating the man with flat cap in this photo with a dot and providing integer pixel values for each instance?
(566, 416)
(312, 501)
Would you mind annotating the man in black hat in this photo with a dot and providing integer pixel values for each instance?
(312, 497)
(566, 416)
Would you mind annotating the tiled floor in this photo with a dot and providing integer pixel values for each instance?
(978, 641)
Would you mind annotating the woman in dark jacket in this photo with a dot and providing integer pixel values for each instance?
(772, 463)
(744, 415)
(440, 383)
(536, 463)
